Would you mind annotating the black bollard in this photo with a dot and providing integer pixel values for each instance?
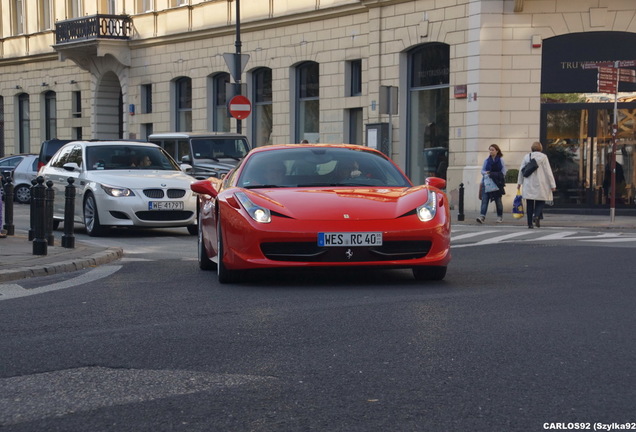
(68, 239)
(8, 206)
(460, 215)
(32, 213)
(37, 195)
(49, 195)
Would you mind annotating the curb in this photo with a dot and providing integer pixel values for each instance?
(99, 258)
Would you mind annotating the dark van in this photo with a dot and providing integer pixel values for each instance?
(211, 154)
(48, 149)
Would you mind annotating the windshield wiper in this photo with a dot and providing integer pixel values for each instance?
(267, 186)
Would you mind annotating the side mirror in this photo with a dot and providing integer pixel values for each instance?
(186, 168)
(204, 187)
(71, 166)
(436, 182)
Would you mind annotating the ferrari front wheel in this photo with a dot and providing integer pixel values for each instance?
(224, 275)
(429, 273)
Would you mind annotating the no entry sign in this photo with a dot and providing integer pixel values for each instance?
(240, 107)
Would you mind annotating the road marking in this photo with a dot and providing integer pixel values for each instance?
(11, 291)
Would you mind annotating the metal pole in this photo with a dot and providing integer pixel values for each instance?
(613, 159)
(237, 58)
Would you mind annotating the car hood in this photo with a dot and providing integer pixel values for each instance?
(335, 203)
(141, 178)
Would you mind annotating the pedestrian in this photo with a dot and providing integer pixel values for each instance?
(493, 169)
(538, 186)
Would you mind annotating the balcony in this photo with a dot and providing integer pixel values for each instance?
(90, 37)
(92, 28)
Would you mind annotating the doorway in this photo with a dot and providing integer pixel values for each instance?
(578, 142)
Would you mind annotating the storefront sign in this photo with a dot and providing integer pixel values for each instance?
(566, 60)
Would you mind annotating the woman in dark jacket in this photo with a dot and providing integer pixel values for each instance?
(495, 168)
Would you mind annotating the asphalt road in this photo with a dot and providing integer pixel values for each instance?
(520, 334)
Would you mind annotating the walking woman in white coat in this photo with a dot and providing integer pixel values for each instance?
(538, 186)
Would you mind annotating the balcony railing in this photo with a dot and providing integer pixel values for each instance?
(93, 27)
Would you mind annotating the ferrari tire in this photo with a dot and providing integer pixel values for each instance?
(91, 217)
(205, 263)
(225, 276)
(429, 273)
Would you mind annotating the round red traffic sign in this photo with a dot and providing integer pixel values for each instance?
(240, 107)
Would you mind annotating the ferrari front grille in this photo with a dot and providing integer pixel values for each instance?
(311, 252)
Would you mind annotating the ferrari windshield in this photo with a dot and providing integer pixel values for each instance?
(117, 157)
(320, 166)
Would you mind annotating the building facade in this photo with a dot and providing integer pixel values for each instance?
(432, 83)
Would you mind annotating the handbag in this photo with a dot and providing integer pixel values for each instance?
(530, 167)
(489, 184)
(517, 206)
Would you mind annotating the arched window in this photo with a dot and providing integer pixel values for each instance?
(1, 126)
(50, 115)
(183, 105)
(24, 123)
(220, 119)
(262, 121)
(308, 102)
(428, 111)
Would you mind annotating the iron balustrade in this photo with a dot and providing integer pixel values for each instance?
(93, 27)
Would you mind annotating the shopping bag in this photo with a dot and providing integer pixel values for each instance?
(489, 184)
(517, 206)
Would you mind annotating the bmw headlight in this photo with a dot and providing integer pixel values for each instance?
(427, 211)
(258, 213)
(117, 191)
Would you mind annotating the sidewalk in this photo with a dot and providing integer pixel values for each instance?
(18, 262)
(555, 220)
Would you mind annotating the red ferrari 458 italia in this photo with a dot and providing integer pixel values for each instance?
(316, 205)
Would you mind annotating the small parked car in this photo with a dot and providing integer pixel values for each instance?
(21, 173)
(121, 184)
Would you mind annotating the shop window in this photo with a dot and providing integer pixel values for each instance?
(77, 104)
(353, 84)
(262, 121)
(307, 102)
(354, 126)
(220, 120)
(17, 17)
(1, 126)
(183, 104)
(24, 123)
(50, 115)
(44, 15)
(428, 111)
(146, 98)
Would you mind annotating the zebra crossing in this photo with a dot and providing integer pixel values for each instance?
(471, 236)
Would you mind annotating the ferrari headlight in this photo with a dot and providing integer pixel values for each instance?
(427, 211)
(258, 213)
(117, 191)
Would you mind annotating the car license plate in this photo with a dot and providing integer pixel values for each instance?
(165, 205)
(350, 239)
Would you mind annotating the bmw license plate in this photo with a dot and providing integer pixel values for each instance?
(350, 239)
(165, 205)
